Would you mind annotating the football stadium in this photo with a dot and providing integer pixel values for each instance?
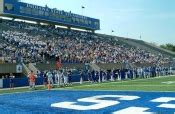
(54, 61)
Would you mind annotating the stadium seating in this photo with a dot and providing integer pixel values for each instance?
(41, 44)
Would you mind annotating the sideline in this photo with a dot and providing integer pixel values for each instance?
(88, 84)
(107, 82)
(77, 90)
(66, 89)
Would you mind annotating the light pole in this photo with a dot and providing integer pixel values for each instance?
(82, 7)
(140, 37)
(112, 31)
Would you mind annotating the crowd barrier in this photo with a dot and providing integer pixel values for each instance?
(21, 82)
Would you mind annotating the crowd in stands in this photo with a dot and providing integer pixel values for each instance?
(40, 43)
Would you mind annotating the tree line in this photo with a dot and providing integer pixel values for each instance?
(170, 47)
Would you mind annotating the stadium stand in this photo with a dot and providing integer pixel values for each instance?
(74, 46)
(37, 46)
(149, 46)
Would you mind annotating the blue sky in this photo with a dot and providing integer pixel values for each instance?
(154, 20)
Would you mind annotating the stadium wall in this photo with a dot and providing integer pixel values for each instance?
(21, 82)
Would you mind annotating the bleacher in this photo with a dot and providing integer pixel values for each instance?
(48, 33)
(84, 55)
(148, 46)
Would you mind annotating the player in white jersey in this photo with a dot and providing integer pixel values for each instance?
(58, 76)
(50, 78)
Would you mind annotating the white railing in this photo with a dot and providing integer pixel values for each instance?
(94, 66)
(27, 70)
(33, 68)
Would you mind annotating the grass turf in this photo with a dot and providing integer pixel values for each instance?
(151, 84)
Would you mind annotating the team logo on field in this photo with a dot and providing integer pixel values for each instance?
(101, 103)
(89, 102)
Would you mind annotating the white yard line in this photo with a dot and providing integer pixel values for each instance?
(66, 89)
(29, 91)
(144, 85)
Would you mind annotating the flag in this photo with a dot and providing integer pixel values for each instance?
(58, 63)
(112, 30)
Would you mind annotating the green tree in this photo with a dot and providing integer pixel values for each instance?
(170, 47)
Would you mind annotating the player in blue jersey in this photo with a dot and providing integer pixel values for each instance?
(12, 81)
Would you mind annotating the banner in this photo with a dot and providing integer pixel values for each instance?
(25, 10)
(58, 63)
(19, 68)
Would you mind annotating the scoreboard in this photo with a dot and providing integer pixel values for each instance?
(21, 9)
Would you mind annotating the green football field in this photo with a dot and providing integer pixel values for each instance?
(152, 84)
(166, 83)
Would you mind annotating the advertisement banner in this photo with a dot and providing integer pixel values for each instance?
(54, 15)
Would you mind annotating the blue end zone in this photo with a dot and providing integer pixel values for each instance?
(40, 102)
